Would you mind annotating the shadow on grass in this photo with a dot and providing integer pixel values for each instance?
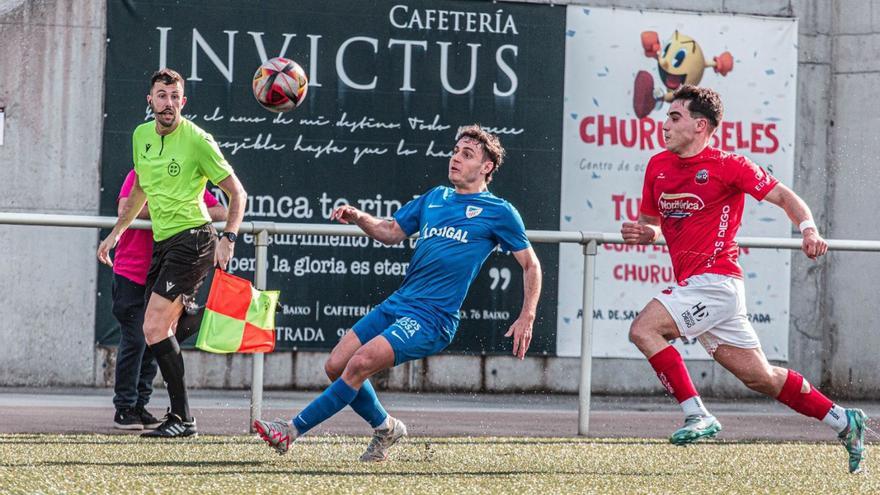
(144, 464)
(403, 474)
(55, 439)
(115, 442)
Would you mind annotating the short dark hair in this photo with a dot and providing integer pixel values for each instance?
(165, 76)
(492, 148)
(702, 102)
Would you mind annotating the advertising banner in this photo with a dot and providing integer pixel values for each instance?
(390, 83)
(616, 98)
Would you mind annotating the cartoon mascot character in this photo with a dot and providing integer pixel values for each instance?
(681, 61)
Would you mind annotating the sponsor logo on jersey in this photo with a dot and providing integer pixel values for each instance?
(702, 177)
(435, 206)
(147, 148)
(447, 232)
(679, 205)
(472, 211)
(169, 286)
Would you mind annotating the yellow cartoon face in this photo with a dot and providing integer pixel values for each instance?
(681, 62)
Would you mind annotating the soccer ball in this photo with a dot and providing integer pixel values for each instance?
(280, 85)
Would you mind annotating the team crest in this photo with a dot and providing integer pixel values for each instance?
(173, 168)
(702, 177)
(472, 211)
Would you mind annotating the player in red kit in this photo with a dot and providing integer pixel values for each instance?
(694, 195)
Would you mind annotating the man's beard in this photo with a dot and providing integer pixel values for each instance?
(156, 115)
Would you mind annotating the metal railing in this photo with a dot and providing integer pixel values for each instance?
(589, 240)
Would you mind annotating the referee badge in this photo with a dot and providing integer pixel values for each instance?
(472, 211)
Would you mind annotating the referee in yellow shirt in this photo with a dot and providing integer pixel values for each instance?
(173, 160)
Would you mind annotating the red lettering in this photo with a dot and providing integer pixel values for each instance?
(609, 130)
(632, 208)
(617, 199)
(633, 133)
(626, 206)
(726, 136)
(647, 134)
(647, 127)
(756, 137)
(625, 248)
(585, 134)
(740, 143)
(768, 131)
(651, 274)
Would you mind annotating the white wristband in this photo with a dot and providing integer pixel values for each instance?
(807, 224)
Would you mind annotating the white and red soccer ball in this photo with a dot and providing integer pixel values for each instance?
(280, 85)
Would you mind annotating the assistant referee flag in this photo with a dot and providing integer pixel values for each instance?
(238, 317)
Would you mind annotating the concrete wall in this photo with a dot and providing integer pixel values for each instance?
(51, 83)
(50, 164)
(850, 362)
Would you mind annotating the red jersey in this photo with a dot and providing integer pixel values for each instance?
(700, 203)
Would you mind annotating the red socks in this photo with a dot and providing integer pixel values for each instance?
(799, 395)
(673, 374)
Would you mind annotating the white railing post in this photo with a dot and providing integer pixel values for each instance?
(584, 389)
(261, 242)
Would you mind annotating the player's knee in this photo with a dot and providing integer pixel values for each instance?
(637, 332)
(332, 368)
(154, 329)
(359, 365)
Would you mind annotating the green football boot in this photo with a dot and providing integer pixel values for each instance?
(695, 428)
(853, 438)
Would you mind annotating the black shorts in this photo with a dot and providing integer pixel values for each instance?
(181, 263)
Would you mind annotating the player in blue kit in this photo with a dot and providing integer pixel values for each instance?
(458, 228)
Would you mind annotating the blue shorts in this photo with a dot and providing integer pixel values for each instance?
(411, 333)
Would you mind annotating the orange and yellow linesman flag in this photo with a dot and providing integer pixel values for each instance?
(238, 317)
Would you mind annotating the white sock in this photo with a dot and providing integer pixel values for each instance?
(836, 418)
(385, 424)
(694, 407)
(293, 430)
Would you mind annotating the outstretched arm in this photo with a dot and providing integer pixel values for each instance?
(799, 213)
(645, 231)
(521, 330)
(387, 231)
(128, 211)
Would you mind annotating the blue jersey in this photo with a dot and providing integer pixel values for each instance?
(457, 232)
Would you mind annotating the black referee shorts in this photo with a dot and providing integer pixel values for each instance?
(181, 263)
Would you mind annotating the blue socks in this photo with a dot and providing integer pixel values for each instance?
(338, 395)
(367, 405)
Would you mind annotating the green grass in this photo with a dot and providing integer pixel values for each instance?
(212, 464)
